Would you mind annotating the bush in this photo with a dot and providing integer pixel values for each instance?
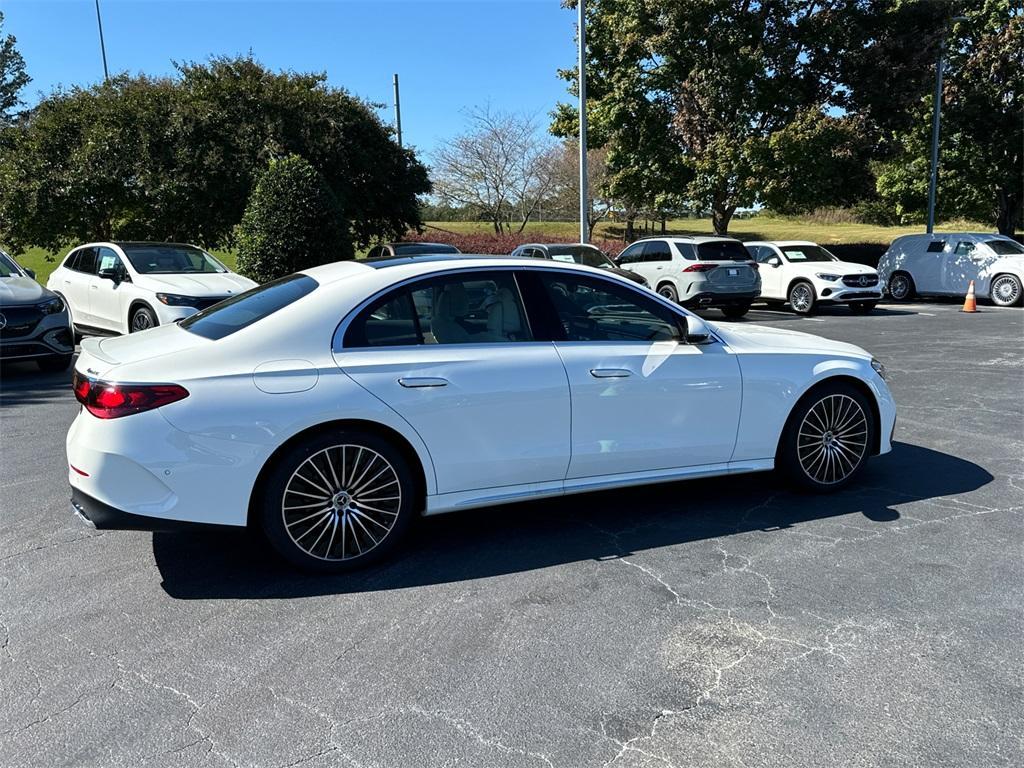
(291, 222)
(491, 243)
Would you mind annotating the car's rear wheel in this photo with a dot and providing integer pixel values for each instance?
(142, 320)
(862, 307)
(337, 501)
(801, 298)
(734, 313)
(901, 287)
(54, 363)
(669, 292)
(828, 438)
(1006, 290)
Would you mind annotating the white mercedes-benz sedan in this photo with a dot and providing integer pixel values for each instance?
(330, 407)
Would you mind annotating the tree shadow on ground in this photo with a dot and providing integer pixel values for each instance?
(513, 538)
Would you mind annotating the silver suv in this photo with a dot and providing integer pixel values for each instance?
(697, 272)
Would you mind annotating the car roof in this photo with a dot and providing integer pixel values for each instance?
(687, 238)
(780, 242)
(425, 264)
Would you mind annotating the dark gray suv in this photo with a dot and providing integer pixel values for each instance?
(34, 322)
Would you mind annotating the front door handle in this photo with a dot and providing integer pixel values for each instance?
(610, 373)
(426, 381)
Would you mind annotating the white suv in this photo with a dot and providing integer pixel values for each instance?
(806, 275)
(945, 264)
(697, 272)
(128, 287)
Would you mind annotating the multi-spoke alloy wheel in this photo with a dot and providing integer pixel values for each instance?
(828, 437)
(901, 287)
(833, 439)
(801, 298)
(1006, 291)
(336, 502)
(142, 320)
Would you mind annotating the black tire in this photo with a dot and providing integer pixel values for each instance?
(862, 307)
(1006, 291)
(734, 313)
(797, 452)
(669, 292)
(353, 523)
(142, 319)
(54, 363)
(802, 298)
(901, 287)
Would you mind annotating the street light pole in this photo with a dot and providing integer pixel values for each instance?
(936, 119)
(582, 79)
(398, 112)
(103, 48)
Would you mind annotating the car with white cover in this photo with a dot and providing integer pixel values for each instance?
(944, 264)
(328, 408)
(698, 272)
(805, 275)
(123, 287)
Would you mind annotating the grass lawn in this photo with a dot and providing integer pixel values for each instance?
(757, 228)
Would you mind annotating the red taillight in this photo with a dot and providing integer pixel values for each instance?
(700, 268)
(111, 401)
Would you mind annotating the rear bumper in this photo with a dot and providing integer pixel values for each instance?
(710, 299)
(104, 517)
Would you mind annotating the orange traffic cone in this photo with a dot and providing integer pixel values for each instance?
(970, 303)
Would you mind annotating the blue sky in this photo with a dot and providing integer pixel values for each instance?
(450, 56)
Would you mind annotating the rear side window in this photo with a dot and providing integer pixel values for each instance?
(250, 307)
(936, 246)
(687, 251)
(722, 250)
(84, 261)
(657, 250)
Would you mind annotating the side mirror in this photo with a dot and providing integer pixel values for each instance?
(31, 273)
(775, 261)
(695, 331)
(110, 274)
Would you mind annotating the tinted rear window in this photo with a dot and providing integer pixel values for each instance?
(405, 249)
(250, 307)
(722, 250)
(1005, 247)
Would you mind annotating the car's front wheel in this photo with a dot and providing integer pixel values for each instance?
(801, 298)
(1006, 291)
(828, 438)
(142, 320)
(337, 501)
(901, 287)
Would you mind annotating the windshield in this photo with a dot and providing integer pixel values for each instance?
(722, 250)
(158, 259)
(243, 310)
(402, 249)
(8, 267)
(801, 253)
(587, 255)
(1005, 247)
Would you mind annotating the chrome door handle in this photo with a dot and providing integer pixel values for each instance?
(425, 381)
(610, 373)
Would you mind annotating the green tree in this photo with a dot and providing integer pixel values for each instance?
(13, 77)
(177, 158)
(291, 222)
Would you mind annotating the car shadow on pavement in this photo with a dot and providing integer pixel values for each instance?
(24, 384)
(598, 526)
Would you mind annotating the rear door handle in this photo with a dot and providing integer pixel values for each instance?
(426, 381)
(610, 373)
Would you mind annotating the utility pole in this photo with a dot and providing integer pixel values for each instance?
(936, 119)
(103, 48)
(398, 112)
(582, 80)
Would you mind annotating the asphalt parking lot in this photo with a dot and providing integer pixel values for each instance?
(711, 623)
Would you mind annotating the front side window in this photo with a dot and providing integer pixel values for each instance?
(633, 254)
(591, 309)
(160, 259)
(474, 308)
(964, 248)
(250, 307)
(108, 260)
(1002, 247)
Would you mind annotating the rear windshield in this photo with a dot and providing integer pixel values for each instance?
(243, 310)
(159, 259)
(406, 249)
(1005, 247)
(586, 255)
(801, 253)
(722, 250)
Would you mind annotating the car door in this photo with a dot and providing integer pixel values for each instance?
(80, 268)
(962, 263)
(631, 258)
(641, 400)
(107, 297)
(454, 355)
(772, 268)
(658, 262)
(925, 265)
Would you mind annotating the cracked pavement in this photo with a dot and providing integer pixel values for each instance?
(723, 622)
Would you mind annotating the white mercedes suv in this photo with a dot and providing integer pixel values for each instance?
(328, 408)
(122, 287)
